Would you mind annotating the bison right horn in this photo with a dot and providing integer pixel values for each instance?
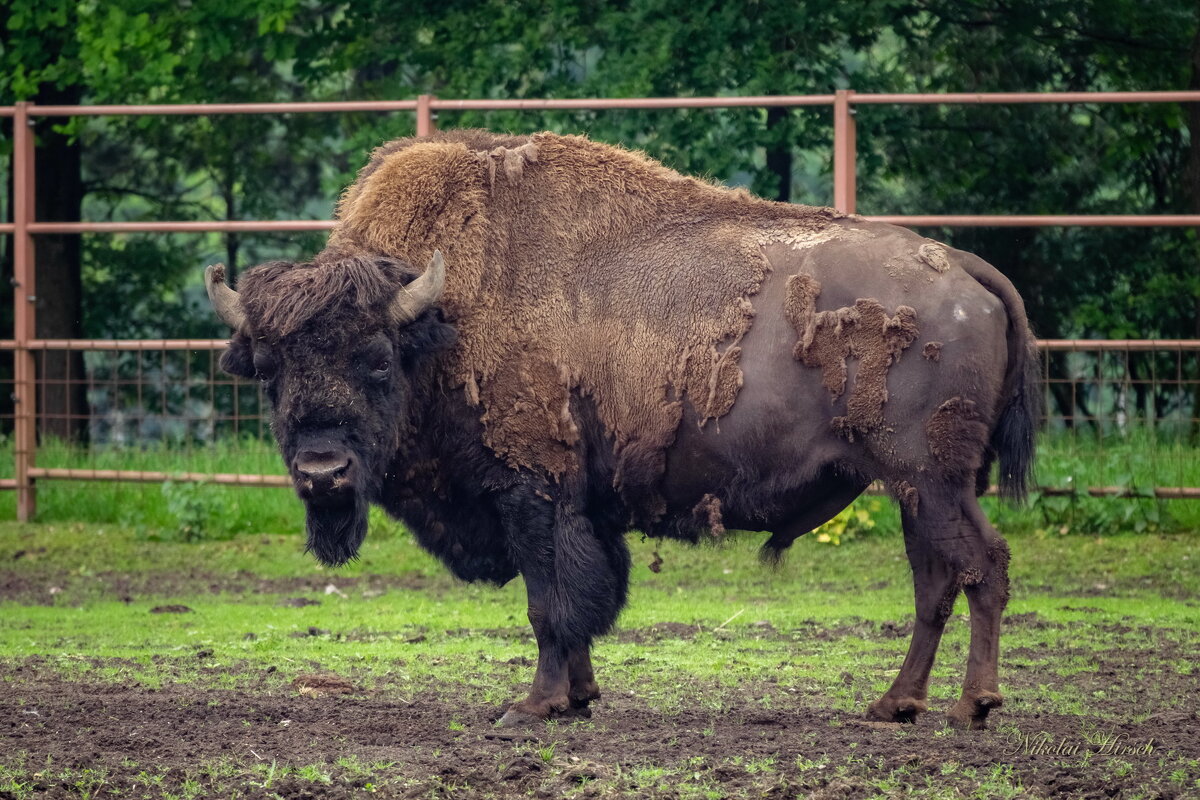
(421, 292)
(224, 300)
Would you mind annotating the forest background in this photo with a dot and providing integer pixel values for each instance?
(1029, 159)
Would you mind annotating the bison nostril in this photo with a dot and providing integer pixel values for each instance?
(321, 471)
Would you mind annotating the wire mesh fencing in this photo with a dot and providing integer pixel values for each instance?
(140, 419)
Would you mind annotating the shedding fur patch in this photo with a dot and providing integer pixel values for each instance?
(863, 331)
(957, 436)
(932, 351)
(923, 264)
(511, 160)
(707, 514)
(934, 256)
(573, 267)
(906, 495)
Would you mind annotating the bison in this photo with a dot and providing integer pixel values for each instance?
(597, 344)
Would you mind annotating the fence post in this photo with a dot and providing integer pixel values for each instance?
(425, 123)
(844, 152)
(24, 297)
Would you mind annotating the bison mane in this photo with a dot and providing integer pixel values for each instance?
(282, 296)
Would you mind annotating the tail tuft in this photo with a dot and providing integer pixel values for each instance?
(1014, 439)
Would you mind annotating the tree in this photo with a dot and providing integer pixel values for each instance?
(1031, 159)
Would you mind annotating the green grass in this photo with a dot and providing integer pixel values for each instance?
(443, 622)
(1092, 578)
(809, 634)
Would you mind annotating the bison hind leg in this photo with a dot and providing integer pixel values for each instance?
(952, 548)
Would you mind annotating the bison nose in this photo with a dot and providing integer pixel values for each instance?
(321, 472)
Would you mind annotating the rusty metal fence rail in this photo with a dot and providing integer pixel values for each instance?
(1105, 387)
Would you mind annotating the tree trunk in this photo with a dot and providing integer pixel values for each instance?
(6, 290)
(779, 153)
(232, 242)
(62, 402)
(1192, 184)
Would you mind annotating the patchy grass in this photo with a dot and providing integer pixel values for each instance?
(724, 679)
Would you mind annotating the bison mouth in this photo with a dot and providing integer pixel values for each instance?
(336, 529)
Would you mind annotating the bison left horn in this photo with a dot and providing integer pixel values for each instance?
(421, 292)
(224, 300)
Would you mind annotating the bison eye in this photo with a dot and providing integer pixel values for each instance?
(264, 367)
(379, 369)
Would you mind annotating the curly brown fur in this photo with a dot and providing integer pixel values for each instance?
(587, 269)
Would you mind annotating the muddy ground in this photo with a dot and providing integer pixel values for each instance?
(1129, 726)
(305, 737)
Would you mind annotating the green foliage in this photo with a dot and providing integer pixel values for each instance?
(1096, 516)
(194, 509)
(856, 519)
(1031, 159)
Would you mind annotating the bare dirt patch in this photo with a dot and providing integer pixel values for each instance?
(53, 587)
(431, 743)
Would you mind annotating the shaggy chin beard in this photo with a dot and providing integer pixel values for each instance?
(336, 531)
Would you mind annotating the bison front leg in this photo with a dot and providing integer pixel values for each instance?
(575, 588)
(583, 687)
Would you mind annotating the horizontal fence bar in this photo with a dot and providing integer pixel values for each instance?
(1158, 492)
(282, 481)
(146, 476)
(198, 109)
(969, 98)
(1032, 220)
(603, 104)
(1090, 345)
(1106, 345)
(1093, 345)
(925, 220)
(215, 226)
(118, 344)
(599, 104)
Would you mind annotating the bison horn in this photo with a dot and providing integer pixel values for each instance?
(224, 300)
(421, 292)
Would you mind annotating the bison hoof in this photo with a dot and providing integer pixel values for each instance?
(532, 712)
(896, 709)
(970, 712)
(580, 697)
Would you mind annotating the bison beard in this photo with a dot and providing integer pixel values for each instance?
(336, 530)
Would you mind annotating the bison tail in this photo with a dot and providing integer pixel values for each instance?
(1014, 438)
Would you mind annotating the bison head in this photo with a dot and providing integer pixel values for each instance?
(337, 344)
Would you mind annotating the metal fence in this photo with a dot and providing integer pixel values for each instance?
(171, 391)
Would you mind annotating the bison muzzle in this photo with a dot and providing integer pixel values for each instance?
(608, 345)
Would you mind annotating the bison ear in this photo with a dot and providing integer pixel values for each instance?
(238, 358)
(426, 337)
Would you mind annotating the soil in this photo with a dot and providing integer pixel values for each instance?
(53, 587)
(432, 743)
(771, 741)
